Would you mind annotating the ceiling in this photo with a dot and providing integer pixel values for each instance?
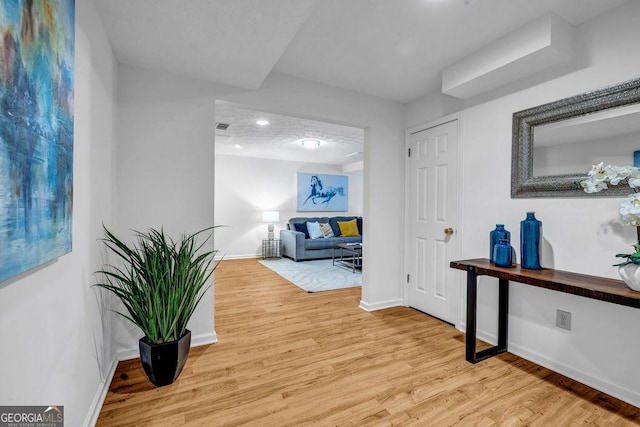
(392, 49)
(282, 137)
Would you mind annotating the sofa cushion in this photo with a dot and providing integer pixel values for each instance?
(314, 230)
(333, 221)
(352, 239)
(326, 230)
(302, 228)
(348, 228)
(303, 220)
(327, 243)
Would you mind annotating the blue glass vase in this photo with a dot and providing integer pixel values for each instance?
(502, 254)
(500, 233)
(530, 230)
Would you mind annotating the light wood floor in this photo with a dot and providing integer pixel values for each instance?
(289, 358)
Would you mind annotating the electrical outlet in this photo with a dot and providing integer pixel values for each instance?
(563, 319)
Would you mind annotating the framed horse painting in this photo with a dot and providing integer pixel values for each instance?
(322, 193)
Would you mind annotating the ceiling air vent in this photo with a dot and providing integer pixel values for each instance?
(222, 126)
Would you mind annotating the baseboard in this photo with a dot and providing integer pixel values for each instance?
(481, 335)
(604, 386)
(204, 339)
(381, 305)
(196, 340)
(127, 354)
(98, 399)
(246, 256)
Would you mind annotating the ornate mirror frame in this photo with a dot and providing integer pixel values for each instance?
(523, 183)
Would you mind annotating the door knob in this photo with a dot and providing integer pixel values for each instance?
(448, 231)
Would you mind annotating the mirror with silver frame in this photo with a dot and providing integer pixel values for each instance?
(555, 144)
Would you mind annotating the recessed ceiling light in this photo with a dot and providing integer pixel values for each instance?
(310, 143)
(238, 146)
(262, 122)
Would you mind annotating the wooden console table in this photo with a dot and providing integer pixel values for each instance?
(600, 288)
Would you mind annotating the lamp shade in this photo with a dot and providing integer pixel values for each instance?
(271, 216)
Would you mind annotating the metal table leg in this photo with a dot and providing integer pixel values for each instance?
(472, 305)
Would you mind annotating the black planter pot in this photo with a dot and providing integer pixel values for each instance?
(163, 362)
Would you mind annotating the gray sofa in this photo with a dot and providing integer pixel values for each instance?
(299, 247)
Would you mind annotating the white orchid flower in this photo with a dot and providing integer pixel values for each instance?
(630, 209)
(634, 179)
(599, 175)
(615, 174)
(591, 186)
(597, 172)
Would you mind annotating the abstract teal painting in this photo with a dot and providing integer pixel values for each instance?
(36, 132)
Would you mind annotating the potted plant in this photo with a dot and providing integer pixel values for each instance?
(160, 283)
(629, 270)
(600, 177)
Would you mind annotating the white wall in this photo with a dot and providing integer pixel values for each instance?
(52, 326)
(582, 234)
(246, 187)
(165, 171)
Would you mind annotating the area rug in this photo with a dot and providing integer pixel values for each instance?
(314, 276)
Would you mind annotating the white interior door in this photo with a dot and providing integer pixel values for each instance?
(432, 221)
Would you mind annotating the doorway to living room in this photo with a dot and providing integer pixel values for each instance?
(259, 156)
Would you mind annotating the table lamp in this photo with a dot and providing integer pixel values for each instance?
(270, 217)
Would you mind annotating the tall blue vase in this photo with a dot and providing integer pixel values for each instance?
(498, 234)
(530, 230)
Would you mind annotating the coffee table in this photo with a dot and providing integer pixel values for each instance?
(348, 255)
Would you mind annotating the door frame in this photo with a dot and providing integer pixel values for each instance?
(458, 284)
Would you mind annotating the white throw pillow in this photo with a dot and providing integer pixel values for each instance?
(314, 230)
